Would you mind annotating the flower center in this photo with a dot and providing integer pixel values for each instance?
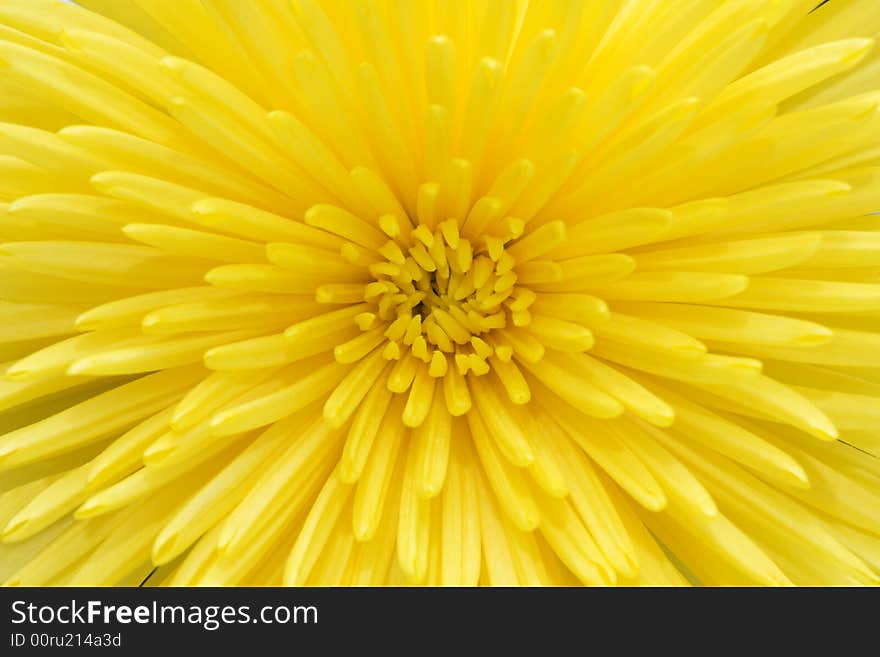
(444, 295)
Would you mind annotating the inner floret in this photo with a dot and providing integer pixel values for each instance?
(444, 295)
(441, 301)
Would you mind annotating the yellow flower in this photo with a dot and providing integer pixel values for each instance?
(440, 292)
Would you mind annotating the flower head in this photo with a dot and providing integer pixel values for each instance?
(455, 292)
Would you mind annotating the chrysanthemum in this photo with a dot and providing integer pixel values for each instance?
(440, 292)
